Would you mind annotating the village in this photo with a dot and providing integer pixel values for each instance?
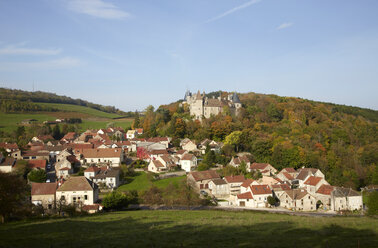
(100, 153)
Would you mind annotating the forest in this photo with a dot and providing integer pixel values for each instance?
(283, 131)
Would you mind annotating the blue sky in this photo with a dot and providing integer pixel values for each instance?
(132, 53)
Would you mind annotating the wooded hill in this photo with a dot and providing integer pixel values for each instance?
(18, 101)
(286, 132)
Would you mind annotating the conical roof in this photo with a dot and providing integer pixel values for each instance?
(235, 98)
(198, 96)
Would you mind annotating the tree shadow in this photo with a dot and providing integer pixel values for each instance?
(141, 230)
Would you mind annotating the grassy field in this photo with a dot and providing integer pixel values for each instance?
(92, 118)
(207, 228)
(141, 182)
(80, 109)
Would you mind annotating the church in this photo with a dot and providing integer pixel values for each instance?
(203, 107)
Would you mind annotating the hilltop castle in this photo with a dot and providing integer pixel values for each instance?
(203, 107)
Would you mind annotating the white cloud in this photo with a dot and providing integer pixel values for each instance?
(97, 8)
(285, 25)
(61, 63)
(228, 12)
(16, 50)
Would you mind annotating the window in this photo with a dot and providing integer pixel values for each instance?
(308, 197)
(49, 206)
(85, 197)
(62, 197)
(74, 199)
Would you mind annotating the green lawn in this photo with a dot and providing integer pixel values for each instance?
(207, 228)
(141, 182)
(91, 124)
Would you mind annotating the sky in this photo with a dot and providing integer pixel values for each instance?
(133, 53)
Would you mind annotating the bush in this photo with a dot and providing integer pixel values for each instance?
(372, 203)
(115, 201)
(37, 176)
(272, 201)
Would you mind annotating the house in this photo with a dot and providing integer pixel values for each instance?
(323, 197)
(213, 145)
(69, 137)
(37, 164)
(312, 184)
(78, 190)
(245, 186)
(264, 168)
(188, 145)
(285, 176)
(7, 163)
(346, 199)
(12, 149)
(43, 194)
(260, 194)
(65, 167)
(91, 172)
(110, 156)
(219, 188)
(109, 178)
(39, 155)
(234, 183)
(305, 173)
(279, 189)
(188, 162)
(298, 200)
(245, 200)
(291, 171)
(236, 161)
(42, 138)
(156, 166)
(269, 180)
(160, 140)
(200, 180)
(131, 134)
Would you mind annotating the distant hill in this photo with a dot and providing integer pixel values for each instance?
(340, 140)
(45, 97)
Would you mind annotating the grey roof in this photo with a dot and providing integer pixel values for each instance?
(219, 181)
(107, 173)
(344, 192)
(235, 98)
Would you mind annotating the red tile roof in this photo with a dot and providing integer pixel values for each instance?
(102, 153)
(92, 169)
(288, 176)
(158, 164)
(187, 156)
(325, 189)
(41, 164)
(235, 179)
(289, 170)
(43, 188)
(313, 180)
(247, 183)
(246, 195)
(261, 189)
(158, 152)
(11, 146)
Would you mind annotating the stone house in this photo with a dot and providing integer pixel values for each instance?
(78, 191)
(312, 184)
(245, 186)
(234, 183)
(188, 145)
(323, 196)
(236, 161)
(346, 199)
(43, 194)
(109, 156)
(264, 168)
(109, 178)
(260, 194)
(245, 200)
(298, 200)
(200, 180)
(188, 162)
(219, 188)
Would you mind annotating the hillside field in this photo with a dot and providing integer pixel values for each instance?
(92, 118)
(140, 182)
(203, 228)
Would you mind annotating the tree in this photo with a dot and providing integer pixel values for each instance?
(152, 196)
(56, 132)
(13, 194)
(372, 203)
(115, 200)
(136, 122)
(272, 201)
(234, 139)
(37, 176)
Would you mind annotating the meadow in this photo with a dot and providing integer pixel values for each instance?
(140, 182)
(203, 228)
(92, 118)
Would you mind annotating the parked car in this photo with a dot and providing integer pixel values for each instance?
(48, 180)
(204, 193)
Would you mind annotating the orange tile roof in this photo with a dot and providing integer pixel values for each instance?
(246, 195)
(261, 189)
(204, 175)
(247, 183)
(41, 164)
(43, 188)
(313, 180)
(235, 179)
(325, 189)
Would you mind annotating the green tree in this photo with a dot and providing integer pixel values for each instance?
(13, 194)
(56, 132)
(37, 176)
(234, 139)
(272, 201)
